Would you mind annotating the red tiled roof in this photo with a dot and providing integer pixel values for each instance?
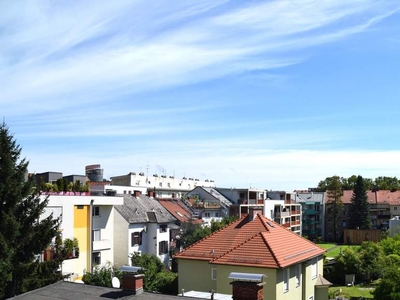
(348, 194)
(257, 243)
(178, 211)
(386, 196)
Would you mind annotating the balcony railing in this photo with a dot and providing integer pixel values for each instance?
(101, 245)
(283, 214)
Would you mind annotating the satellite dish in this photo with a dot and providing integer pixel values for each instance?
(115, 283)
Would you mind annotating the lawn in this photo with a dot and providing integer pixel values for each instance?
(352, 291)
(327, 245)
(335, 252)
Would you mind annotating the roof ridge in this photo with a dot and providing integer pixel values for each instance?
(261, 217)
(212, 234)
(237, 246)
(270, 250)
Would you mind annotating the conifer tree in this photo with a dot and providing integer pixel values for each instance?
(335, 208)
(23, 234)
(359, 209)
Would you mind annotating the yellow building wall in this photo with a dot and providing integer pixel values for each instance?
(195, 275)
(270, 287)
(82, 233)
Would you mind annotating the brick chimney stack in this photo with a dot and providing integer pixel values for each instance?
(247, 286)
(136, 194)
(242, 290)
(150, 194)
(132, 283)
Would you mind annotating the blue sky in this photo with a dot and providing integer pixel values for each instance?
(267, 94)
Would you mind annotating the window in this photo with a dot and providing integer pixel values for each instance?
(207, 215)
(160, 183)
(163, 228)
(297, 269)
(96, 258)
(285, 280)
(214, 274)
(216, 214)
(97, 235)
(162, 247)
(314, 268)
(311, 298)
(136, 238)
(96, 211)
(395, 208)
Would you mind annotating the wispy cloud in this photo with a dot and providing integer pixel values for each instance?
(106, 74)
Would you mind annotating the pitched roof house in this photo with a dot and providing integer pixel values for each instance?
(142, 225)
(253, 244)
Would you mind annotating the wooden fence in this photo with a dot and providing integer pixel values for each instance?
(357, 236)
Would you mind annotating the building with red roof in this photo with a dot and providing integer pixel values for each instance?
(292, 265)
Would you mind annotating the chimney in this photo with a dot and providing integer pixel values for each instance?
(253, 212)
(150, 193)
(136, 194)
(132, 283)
(246, 286)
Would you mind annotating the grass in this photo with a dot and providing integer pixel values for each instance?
(335, 252)
(327, 245)
(352, 291)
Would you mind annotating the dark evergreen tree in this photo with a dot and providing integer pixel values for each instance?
(334, 209)
(22, 234)
(359, 209)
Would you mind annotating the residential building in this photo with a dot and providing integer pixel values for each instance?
(208, 204)
(78, 222)
(94, 173)
(183, 214)
(142, 225)
(313, 214)
(291, 265)
(289, 213)
(243, 195)
(163, 186)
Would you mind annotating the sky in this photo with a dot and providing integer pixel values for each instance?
(273, 95)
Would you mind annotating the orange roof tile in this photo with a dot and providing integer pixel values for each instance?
(258, 243)
(178, 211)
(386, 196)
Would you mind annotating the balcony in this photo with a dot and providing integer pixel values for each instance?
(286, 225)
(282, 214)
(310, 212)
(101, 245)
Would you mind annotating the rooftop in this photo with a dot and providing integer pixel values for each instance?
(258, 242)
(72, 291)
(143, 209)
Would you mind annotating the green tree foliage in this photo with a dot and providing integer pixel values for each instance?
(386, 183)
(335, 208)
(156, 277)
(102, 276)
(388, 288)
(22, 235)
(391, 245)
(359, 209)
(379, 183)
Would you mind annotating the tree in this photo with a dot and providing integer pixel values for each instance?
(335, 208)
(386, 183)
(156, 277)
(102, 276)
(359, 209)
(22, 234)
(388, 288)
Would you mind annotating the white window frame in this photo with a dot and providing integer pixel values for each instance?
(285, 279)
(314, 268)
(213, 273)
(311, 298)
(207, 215)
